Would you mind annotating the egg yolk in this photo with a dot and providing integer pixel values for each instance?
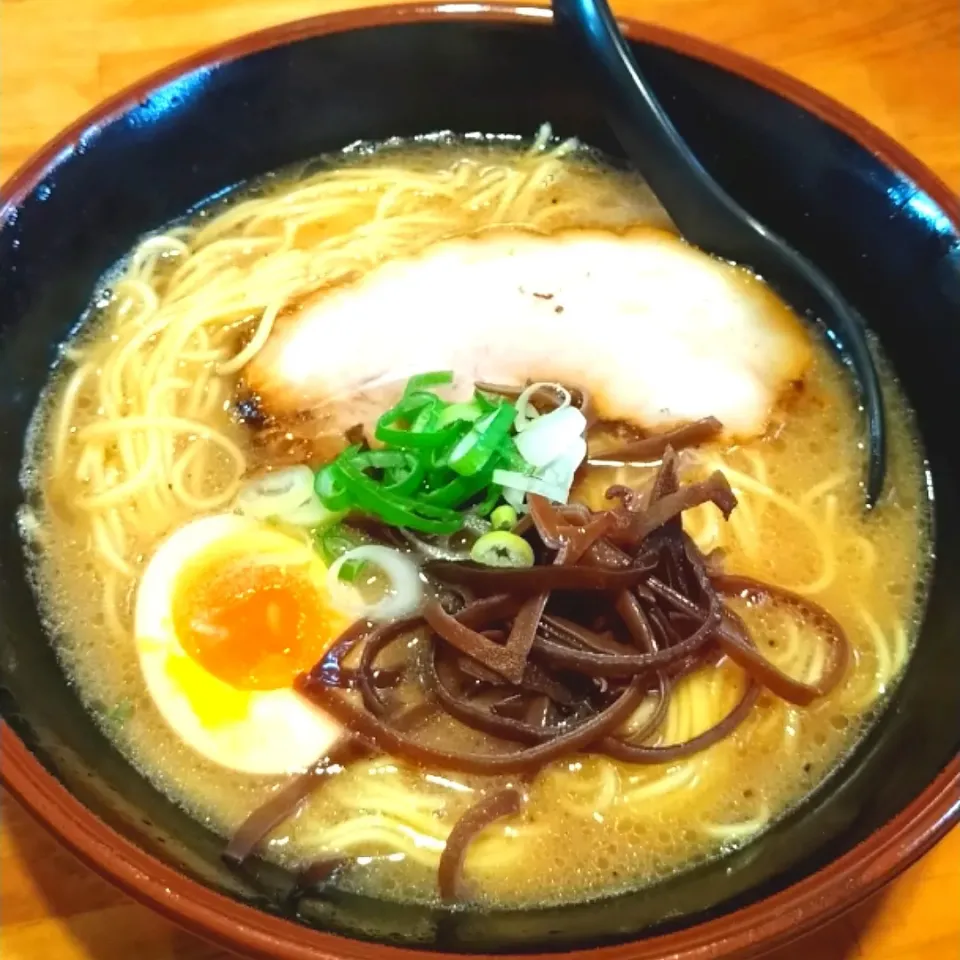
(252, 624)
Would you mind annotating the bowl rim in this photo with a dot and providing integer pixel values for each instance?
(753, 929)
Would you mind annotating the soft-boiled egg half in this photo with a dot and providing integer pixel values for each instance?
(228, 612)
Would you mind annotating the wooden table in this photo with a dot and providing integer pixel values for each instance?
(894, 61)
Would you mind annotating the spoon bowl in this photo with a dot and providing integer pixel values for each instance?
(707, 216)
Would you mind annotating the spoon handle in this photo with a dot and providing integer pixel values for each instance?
(642, 127)
(706, 215)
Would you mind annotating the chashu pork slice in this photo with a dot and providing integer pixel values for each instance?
(658, 332)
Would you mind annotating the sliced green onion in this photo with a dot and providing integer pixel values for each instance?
(488, 403)
(404, 594)
(563, 470)
(510, 458)
(552, 481)
(403, 471)
(458, 490)
(426, 419)
(335, 541)
(350, 570)
(493, 497)
(439, 470)
(405, 480)
(276, 493)
(438, 464)
(329, 487)
(502, 549)
(311, 515)
(382, 459)
(420, 412)
(527, 413)
(504, 517)
(516, 499)
(396, 510)
(551, 436)
(436, 378)
(460, 413)
(474, 451)
(557, 492)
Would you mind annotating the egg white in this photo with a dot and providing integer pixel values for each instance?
(259, 732)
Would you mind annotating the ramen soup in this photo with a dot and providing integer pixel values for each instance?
(436, 523)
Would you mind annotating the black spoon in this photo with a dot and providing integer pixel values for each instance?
(709, 217)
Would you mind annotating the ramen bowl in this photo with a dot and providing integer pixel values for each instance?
(870, 215)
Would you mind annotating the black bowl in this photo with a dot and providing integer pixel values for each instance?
(839, 191)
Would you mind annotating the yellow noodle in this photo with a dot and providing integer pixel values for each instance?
(662, 782)
(591, 787)
(820, 531)
(884, 657)
(68, 410)
(741, 830)
(142, 440)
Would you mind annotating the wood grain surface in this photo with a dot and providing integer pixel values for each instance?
(897, 62)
